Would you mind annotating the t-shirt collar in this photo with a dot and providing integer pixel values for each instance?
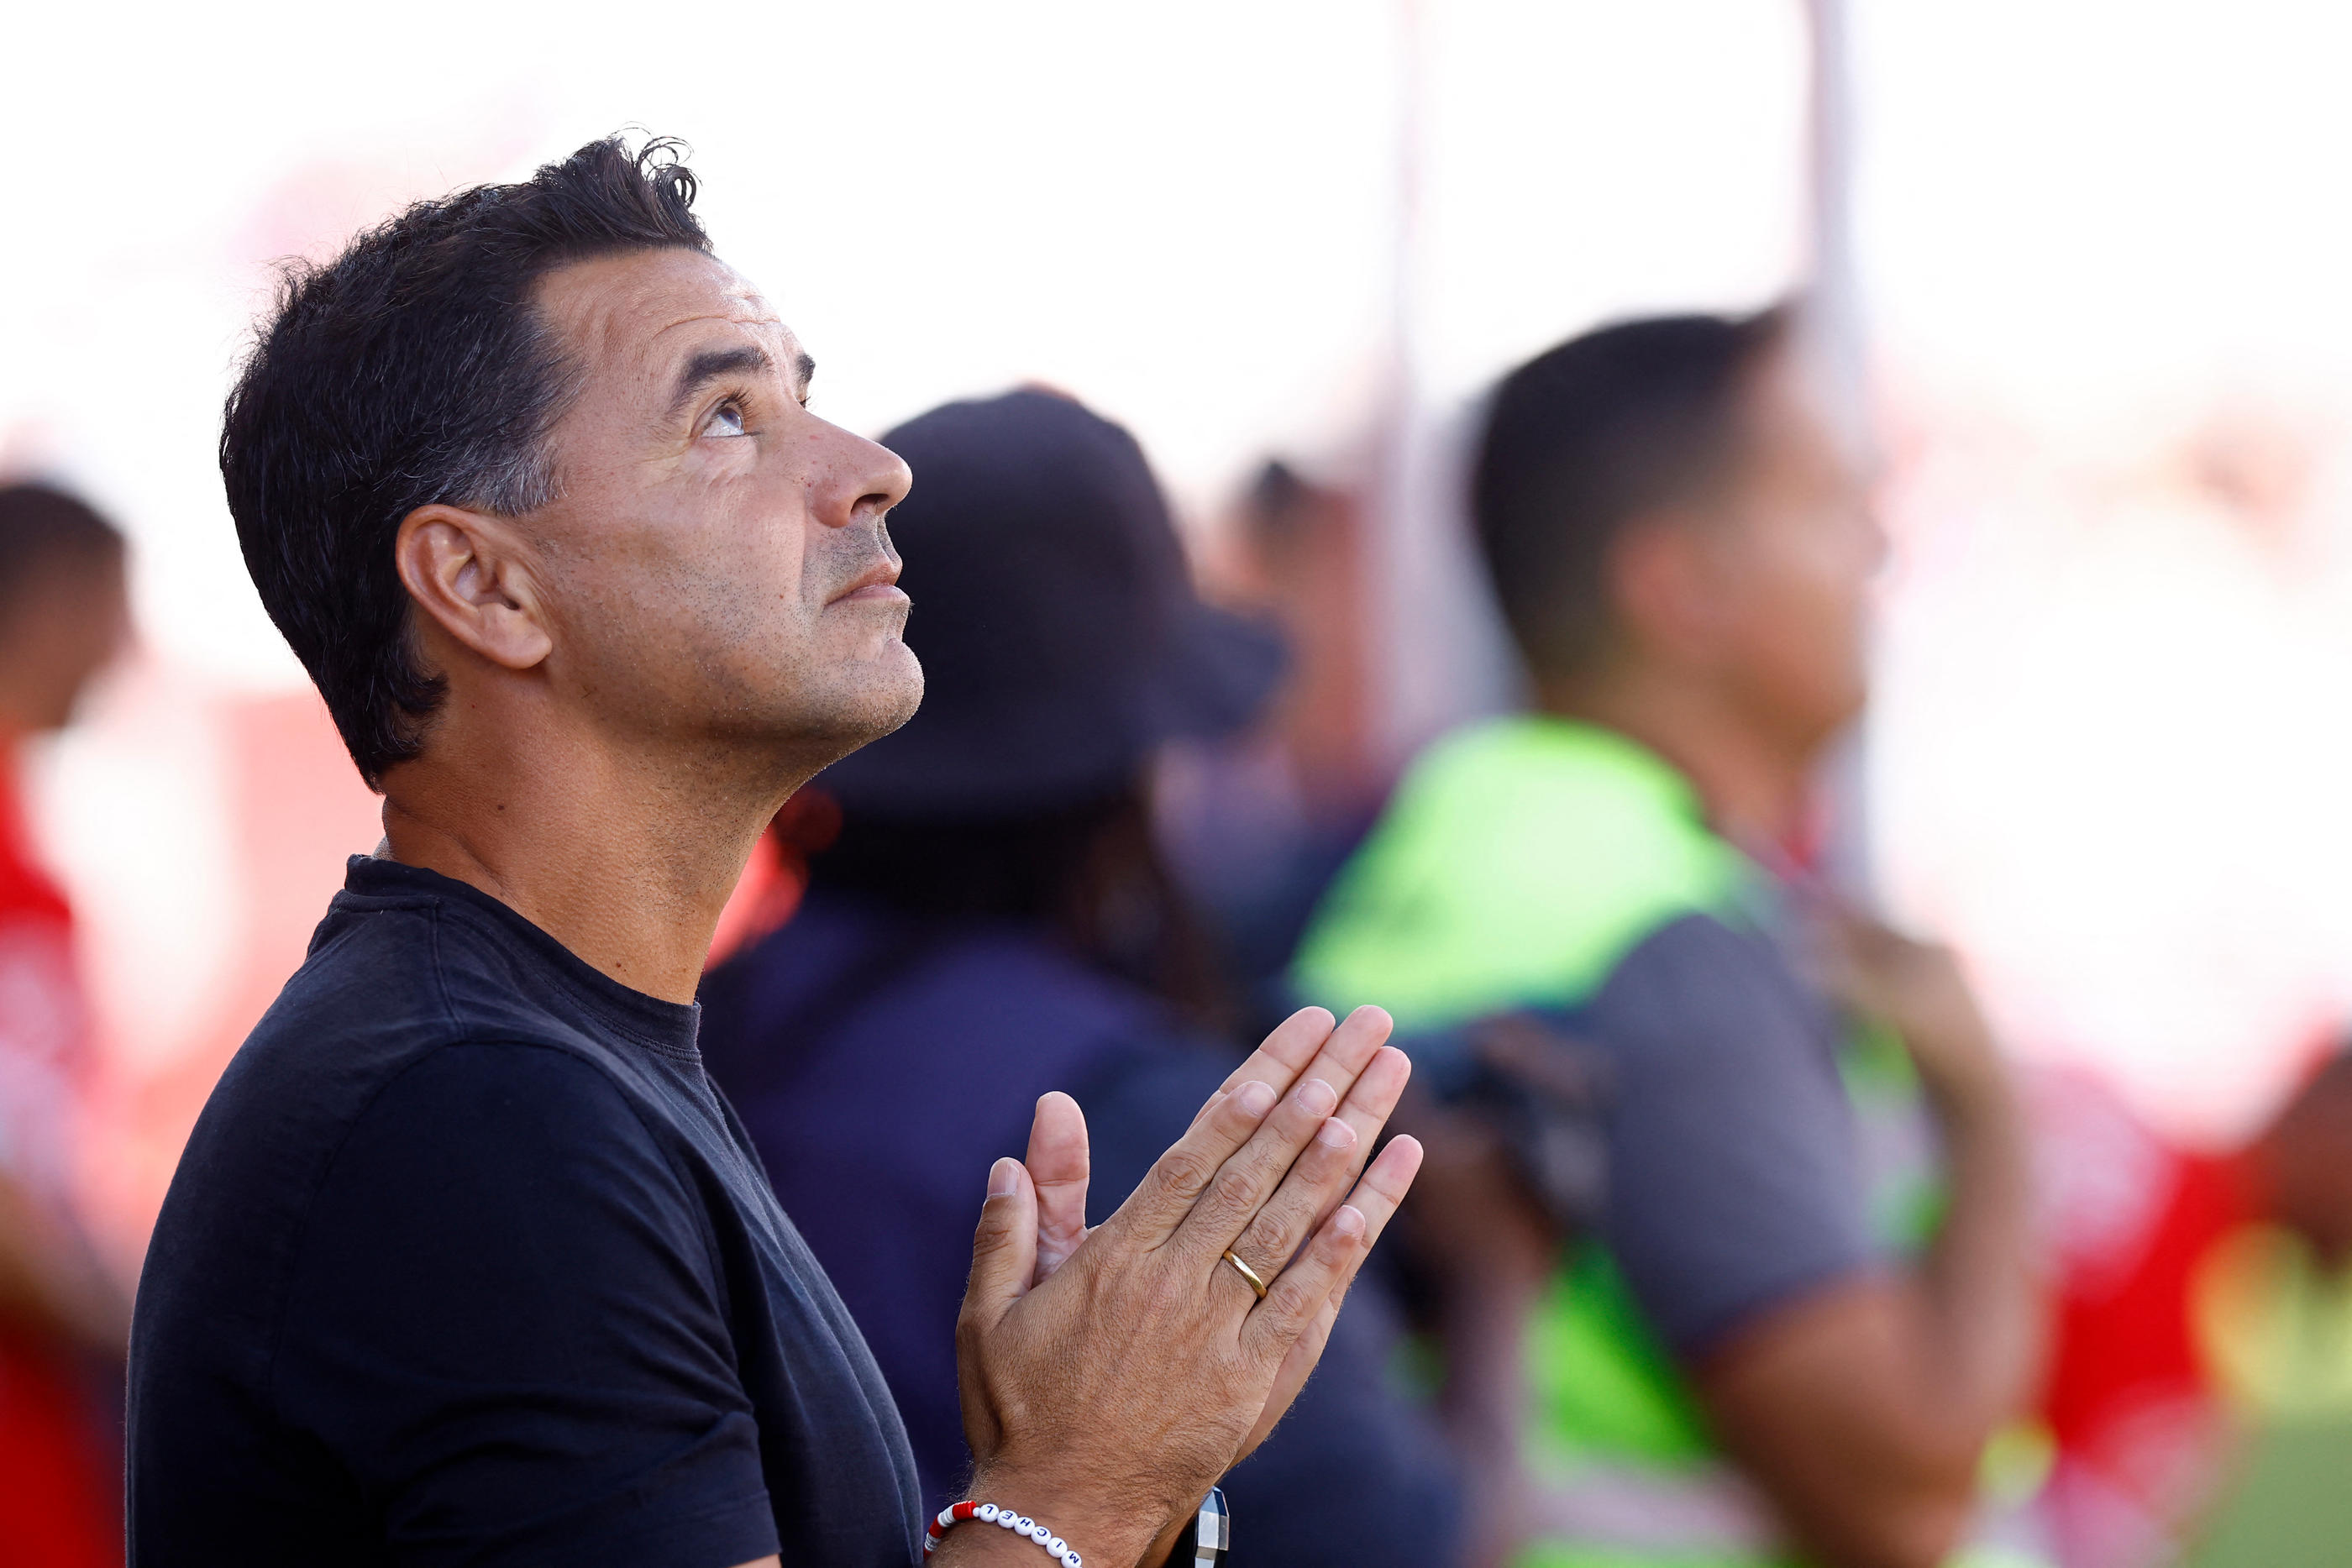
(666, 1026)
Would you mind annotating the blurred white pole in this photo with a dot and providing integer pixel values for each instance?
(1833, 341)
(1833, 325)
(1437, 652)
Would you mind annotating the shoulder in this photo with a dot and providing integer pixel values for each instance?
(1517, 863)
(1700, 971)
(364, 1034)
(373, 1006)
(516, 1145)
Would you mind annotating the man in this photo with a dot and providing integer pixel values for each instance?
(64, 615)
(1742, 1355)
(466, 1260)
(990, 919)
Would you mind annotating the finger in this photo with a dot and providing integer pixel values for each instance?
(1058, 1167)
(1264, 1168)
(1328, 1265)
(1344, 1046)
(1254, 1172)
(1315, 1185)
(1373, 1097)
(1176, 1180)
(1004, 1248)
(1166, 1198)
(1351, 1049)
(1282, 1057)
(1320, 1174)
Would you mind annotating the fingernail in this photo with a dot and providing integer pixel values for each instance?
(1348, 1221)
(1004, 1178)
(1255, 1097)
(1316, 1098)
(1335, 1134)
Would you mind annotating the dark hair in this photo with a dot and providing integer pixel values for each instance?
(1585, 438)
(42, 529)
(414, 369)
(1090, 872)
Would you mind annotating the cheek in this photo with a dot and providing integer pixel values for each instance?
(1802, 637)
(743, 558)
(1818, 585)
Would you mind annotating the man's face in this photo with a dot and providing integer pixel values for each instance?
(1797, 547)
(716, 566)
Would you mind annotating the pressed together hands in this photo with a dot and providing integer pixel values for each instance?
(1108, 1377)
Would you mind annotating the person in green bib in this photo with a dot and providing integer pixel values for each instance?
(1808, 1304)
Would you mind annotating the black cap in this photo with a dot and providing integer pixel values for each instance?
(1060, 637)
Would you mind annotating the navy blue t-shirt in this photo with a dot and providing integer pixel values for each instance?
(467, 1262)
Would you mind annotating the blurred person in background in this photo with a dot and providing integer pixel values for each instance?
(1257, 822)
(1787, 1330)
(987, 918)
(64, 615)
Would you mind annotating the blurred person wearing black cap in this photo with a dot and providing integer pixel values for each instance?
(987, 919)
(64, 615)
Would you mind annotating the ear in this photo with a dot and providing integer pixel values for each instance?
(467, 571)
(1665, 584)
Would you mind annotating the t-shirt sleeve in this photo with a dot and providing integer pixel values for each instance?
(506, 1328)
(1734, 1183)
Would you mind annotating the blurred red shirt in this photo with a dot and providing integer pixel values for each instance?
(57, 1482)
(2141, 1431)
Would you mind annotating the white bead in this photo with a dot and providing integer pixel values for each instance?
(1056, 1545)
(1024, 1524)
(1072, 1560)
(986, 1510)
(1006, 1521)
(1039, 1533)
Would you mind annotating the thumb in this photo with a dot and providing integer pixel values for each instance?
(1058, 1167)
(1004, 1248)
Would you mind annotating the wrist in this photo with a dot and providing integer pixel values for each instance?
(1107, 1533)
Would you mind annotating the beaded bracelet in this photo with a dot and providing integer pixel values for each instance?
(1004, 1519)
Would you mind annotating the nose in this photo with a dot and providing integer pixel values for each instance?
(866, 479)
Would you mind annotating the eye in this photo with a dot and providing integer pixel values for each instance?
(727, 419)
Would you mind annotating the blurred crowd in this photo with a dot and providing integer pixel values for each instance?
(1742, 1239)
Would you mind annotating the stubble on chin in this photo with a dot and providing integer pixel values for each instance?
(850, 705)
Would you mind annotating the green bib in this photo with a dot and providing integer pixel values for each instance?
(1520, 863)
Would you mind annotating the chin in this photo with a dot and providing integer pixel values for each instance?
(866, 703)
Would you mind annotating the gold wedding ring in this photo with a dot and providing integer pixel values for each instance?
(1246, 1272)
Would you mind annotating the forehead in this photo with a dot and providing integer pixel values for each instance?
(646, 311)
(1787, 415)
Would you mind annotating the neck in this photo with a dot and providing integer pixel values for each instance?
(625, 856)
(1752, 784)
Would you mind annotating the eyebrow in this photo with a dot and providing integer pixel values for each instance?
(713, 364)
(710, 365)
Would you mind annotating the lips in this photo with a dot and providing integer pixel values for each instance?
(877, 581)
